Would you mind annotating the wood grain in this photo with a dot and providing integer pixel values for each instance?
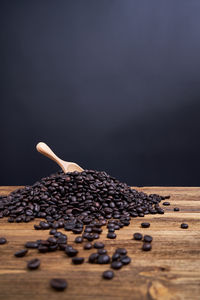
(170, 271)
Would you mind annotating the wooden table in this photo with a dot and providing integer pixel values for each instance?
(170, 271)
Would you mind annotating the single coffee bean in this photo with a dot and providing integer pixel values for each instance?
(148, 238)
(33, 264)
(102, 251)
(77, 260)
(125, 260)
(52, 231)
(21, 253)
(93, 258)
(95, 236)
(108, 274)
(184, 226)
(116, 256)
(78, 239)
(146, 247)
(37, 227)
(57, 234)
(166, 203)
(116, 265)
(43, 249)
(31, 245)
(145, 225)
(121, 251)
(176, 209)
(111, 235)
(58, 284)
(137, 236)
(103, 259)
(71, 252)
(3, 240)
(52, 240)
(99, 245)
(88, 246)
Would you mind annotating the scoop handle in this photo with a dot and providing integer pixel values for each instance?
(45, 150)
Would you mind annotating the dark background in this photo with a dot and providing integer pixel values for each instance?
(113, 85)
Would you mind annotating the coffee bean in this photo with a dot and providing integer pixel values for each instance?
(145, 225)
(37, 227)
(184, 226)
(52, 240)
(121, 251)
(102, 251)
(58, 284)
(99, 245)
(103, 259)
(21, 253)
(137, 236)
(111, 235)
(148, 238)
(77, 260)
(78, 239)
(93, 258)
(176, 209)
(88, 246)
(3, 240)
(108, 274)
(166, 203)
(146, 247)
(32, 245)
(125, 260)
(116, 265)
(33, 264)
(116, 256)
(95, 236)
(42, 249)
(52, 231)
(71, 251)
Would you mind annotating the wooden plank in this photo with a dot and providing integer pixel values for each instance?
(170, 271)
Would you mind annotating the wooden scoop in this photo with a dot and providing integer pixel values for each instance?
(65, 165)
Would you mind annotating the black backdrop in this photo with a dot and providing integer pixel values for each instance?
(113, 85)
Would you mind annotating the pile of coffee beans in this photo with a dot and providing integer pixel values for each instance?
(75, 199)
(81, 203)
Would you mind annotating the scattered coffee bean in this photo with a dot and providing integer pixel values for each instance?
(125, 260)
(93, 258)
(103, 259)
(21, 253)
(145, 225)
(148, 238)
(111, 235)
(121, 251)
(184, 226)
(78, 239)
(33, 264)
(102, 251)
(58, 284)
(52, 231)
(108, 274)
(31, 245)
(99, 245)
(176, 209)
(3, 240)
(166, 203)
(77, 260)
(115, 256)
(146, 247)
(43, 249)
(71, 251)
(88, 246)
(137, 236)
(116, 265)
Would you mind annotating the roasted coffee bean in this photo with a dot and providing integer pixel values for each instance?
(93, 258)
(77, 260)
(108, 274)
(88, 246)
(146, 247)
(37, 227)
(103, 259)
(33, 264)
(43, 249)
(116, 256)
(125, 260)
(53, 247)
(21, 253)
(58, 284)
(111, 230)
(44, 225)
(166, 203)
(52, 231)
(145, 225)
(176, 209)
(95, 236)
(3, 240)
(78, 239)
(137, 236)
(148, 238)
(57, 234)
(116, 265)
(102, 251)
(184, 226)
(111, 235)
(71, 251)
(61, 240)
(32, 245)
(62, 246)
(52, 240)
(121, 251)
(99, 245)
